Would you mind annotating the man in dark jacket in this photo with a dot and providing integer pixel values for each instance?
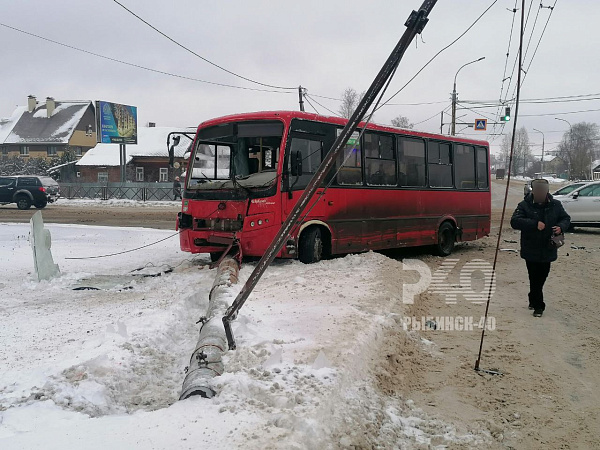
(539, 217)
(176, 189)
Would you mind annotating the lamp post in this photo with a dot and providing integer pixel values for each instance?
(543, 142)
(454, 97)
(570, 144)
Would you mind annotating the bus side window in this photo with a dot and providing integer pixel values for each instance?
(311, 152)
(482, 169)
(380, 160)
(411, 162)
(439, 164)
(464, 166)
(350, 163)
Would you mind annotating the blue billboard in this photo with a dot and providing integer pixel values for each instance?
(117, 124)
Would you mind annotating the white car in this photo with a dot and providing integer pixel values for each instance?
(565, 190)
(583, 205)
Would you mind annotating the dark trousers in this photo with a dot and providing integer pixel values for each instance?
(538, 272)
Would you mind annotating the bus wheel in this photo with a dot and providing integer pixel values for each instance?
(310, 247)
(446, 239)
(214, 256)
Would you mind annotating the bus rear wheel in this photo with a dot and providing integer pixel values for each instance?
(310, 247)
(446, 239)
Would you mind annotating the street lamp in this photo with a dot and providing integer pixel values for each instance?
(454, 97)
(543, 142)
(570, 144)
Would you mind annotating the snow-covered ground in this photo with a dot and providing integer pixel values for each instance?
(102, 368)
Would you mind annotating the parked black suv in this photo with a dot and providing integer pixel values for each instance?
(27, 190)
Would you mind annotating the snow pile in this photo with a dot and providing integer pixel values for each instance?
(103, 368)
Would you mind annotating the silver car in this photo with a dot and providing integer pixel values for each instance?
(583, 205)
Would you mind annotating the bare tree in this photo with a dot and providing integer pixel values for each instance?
(350, 100)
(402, 122)
(579, 148)
(521, 153)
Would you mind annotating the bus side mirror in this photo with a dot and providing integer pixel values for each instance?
(296, 164)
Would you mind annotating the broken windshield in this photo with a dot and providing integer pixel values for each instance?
(233, 155)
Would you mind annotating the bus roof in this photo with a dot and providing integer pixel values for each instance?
(289, 115)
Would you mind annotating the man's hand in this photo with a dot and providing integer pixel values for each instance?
(556, 230)
(541, 226)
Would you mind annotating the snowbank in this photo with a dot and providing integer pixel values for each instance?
(101, 369)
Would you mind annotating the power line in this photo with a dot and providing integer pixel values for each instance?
(200, 56)
(312, 106)
(541, 36)
(321, 105)
(137, 65)
(559, 113)
(438, 53)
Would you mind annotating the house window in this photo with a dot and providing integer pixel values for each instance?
(78, 174)
(102, 177)
(163, 174)
(78, 151)
(139, 174)
(52, 150)
(4, 151)
(24, 150)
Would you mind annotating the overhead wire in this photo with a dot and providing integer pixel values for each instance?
(198, 55)
(438, 53)
(162, 72)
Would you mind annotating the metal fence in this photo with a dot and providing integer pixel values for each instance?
(121, 191)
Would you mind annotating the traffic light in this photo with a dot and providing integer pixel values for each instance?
(506, 116)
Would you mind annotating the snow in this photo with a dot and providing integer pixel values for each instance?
(102, 368)
(6, 125)
(551, 179)
(118, 203)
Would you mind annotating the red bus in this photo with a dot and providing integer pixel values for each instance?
(391, 188)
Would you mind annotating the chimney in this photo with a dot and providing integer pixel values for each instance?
(151, 124)
(50, 106)
(31, 103)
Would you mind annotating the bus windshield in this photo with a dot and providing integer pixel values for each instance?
(242, 154)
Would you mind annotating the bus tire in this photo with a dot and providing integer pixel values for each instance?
(446, 239)
(310, 246)
(214, 256)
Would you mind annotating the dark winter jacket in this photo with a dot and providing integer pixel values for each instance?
(176, 187)
(535, 244)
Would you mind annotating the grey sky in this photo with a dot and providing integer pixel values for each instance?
(324, 45)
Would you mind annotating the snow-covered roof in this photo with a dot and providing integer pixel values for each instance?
(35, 127)
(7, 124)
(595, 164)
(152, 142)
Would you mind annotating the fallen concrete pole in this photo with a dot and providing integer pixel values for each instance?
(207, 359)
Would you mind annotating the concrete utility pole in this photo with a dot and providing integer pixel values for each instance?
(455, 96)
(543, 142)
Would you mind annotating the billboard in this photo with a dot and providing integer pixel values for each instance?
(117, 124)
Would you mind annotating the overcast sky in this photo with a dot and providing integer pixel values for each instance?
(324, 45)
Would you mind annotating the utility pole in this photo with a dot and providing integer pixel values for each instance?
(543, 142)
(455, 95)
(301, 97)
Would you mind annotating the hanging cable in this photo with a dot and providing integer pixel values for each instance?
(438, 53)
(322, 106)
(512, 147)
(200, 56)
(162, 72)
(312, 106)
(126, 251)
